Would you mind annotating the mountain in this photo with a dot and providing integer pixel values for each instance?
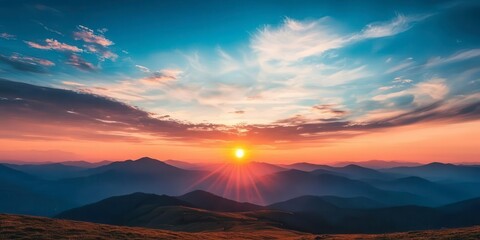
(440, 172)
(304, 166)
(184, 165)
(18, 177)
(144, 165)
(332, 219)
(437, 193)
(119, 178)
(50, 171)
(305, 204)
(205, 200)
(164, 212)
(22, 193)
(85, 164)
(120, 210)
(354, 172)
(307, 213)
(378, 164)
(289, 184)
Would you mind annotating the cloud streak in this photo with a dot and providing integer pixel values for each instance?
(52, 44)
(26, 63)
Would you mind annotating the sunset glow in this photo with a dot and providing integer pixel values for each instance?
(323, 85)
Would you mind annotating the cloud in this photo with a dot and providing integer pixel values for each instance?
(7, 36)
(424, 93)
(42, 7)
(295, 40)
(329, 109)
(87, 35)
(456, 57)
(26, 63)
(142, 68)
(401, 80)
(81, 115)
(399, 67)
(162, 76)
(75, 84)
(399, 24)
(96, 43)
(80, 63)
(102, 52)
(49, 29)
(52, 44)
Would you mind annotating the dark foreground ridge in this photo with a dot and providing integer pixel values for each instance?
(27, 227)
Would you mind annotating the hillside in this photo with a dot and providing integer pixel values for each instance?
(27, 227)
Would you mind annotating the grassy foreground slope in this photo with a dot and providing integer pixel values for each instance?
(28, 227)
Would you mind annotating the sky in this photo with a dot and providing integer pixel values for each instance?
(289, 81)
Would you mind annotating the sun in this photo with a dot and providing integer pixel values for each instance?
(239, 153)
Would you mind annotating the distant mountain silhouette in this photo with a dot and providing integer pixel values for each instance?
(440, 172)
(205, 200)
(85, 164)
(306, 204)
(50, 171)
(185, 165)
(304, 166)
(21, 193)
(117, 178)
(378, 164)
(289, 184)
(437, 193)
(353, 171)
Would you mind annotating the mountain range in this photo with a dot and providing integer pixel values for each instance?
(312, 214)
(194, 197)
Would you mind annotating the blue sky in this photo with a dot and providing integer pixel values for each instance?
(249, 63)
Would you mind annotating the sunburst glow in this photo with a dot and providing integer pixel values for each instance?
(239, 153)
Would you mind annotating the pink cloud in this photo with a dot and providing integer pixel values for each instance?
(101, 52)
(80, 63)
(164, 75)
(32, 60)
(52, 44)
(87, 35)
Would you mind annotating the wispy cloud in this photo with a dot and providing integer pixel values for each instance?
(80, 63)
(52, 44)
(49, 29)
(295, 40)
(26, 63)
(142, 68)
(456, 57)
(399, 24)
(7, 36)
